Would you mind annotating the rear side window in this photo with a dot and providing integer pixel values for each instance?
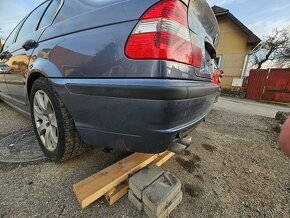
(11, 37)
(49, 14)
(31, 23)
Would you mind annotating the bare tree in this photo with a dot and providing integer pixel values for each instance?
(283, 59)
(274, 48)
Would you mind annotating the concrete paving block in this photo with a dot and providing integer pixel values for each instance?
(161, 192)
(139, 181)
(169, 208)
(134, 200)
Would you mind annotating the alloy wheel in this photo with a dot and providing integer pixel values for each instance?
(45, 120)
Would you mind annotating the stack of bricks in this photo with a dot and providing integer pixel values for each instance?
(155, 191)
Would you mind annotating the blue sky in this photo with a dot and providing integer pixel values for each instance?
(12, 12)
(261, 16)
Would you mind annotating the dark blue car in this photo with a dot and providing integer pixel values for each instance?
(122, 74)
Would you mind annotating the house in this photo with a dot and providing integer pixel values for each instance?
(235, 44)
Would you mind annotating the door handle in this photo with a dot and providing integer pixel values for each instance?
(29, 44)
(5, 55)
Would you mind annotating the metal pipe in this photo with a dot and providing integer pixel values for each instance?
(177, 148)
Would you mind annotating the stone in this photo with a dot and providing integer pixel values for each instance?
(161, 192)
(169, 208)
(134, 200)
(281, 117)
(139, 181)
(277, 127)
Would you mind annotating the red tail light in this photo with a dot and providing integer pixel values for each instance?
(163, 33)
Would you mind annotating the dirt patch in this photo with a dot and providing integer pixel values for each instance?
(195, 158)
(209, 147)
(193, 190)
(187, 153)
(198, 176)
(189, 165)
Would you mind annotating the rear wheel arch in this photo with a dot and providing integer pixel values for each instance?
(30, 81)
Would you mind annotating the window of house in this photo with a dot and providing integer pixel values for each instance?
(50, 13)
(218, 60)
(31, 23)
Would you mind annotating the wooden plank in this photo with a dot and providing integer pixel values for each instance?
(95, 186)
(163, 158)
(118, 192)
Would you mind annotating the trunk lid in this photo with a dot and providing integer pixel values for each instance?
(204, 32)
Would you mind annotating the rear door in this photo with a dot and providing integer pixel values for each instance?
(9, 41)
(19, 61)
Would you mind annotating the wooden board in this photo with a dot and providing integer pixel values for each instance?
(95, 186)
(118, 192)
(163, 158)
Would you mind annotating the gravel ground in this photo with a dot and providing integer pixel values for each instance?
(233, 169)
(11, 120)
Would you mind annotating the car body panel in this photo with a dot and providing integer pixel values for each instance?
(85, 59)
(96, 13)
(92, 59)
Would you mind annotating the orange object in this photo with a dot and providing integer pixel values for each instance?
(284, 139)
(216, 76)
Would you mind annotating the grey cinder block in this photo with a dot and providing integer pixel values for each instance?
(139, 181)
(161, 192)
(134, 200)
(169, 208)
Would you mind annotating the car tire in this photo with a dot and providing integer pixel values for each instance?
(56, 133)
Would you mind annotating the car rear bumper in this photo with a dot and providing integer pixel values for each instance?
(140, 115)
